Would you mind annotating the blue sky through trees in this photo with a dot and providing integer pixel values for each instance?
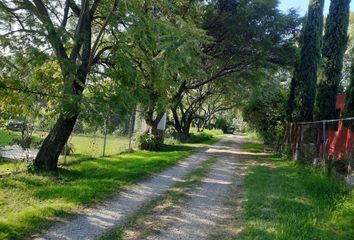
(302, 5)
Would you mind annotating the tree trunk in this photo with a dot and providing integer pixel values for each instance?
(186, 127)
(47, 157)
(152, 127)
(152, 123)
(177, 123)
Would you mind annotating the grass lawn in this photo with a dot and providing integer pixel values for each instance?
(288, 201)
(253, 136)
(30, 202)
(7, 136)
(89, 145)
(253, 147)
(93, 145)
(7, 167)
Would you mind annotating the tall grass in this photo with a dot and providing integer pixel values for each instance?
(290, 201)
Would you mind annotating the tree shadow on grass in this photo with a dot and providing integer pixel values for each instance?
(176, 148)
(44, 197)
(17, 230)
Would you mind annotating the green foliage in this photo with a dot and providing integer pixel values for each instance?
(349, 107)
(257, 33)
(198, 137)
(306, 75)
(160, 49)
(334, 45)
(258, 26)
(222, 123)
(265, 112)
(289, 201)
(150, 142)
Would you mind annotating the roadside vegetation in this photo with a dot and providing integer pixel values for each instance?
(30, 202)
(253, 147)
(70, 67)
(285, 200)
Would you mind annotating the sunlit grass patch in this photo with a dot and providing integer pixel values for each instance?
(6, 137)
(253, 147)
(9, 167)
(290, 201)
(253, 136)
(29, 202)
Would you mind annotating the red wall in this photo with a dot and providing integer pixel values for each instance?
(340, 141)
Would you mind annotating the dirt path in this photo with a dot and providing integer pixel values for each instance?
(95, 221)
(208, 207)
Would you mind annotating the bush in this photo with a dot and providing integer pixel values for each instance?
(198, 138)
(222, 124)
(147, 141)
(265, 113)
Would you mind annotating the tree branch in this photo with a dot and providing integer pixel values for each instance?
(100, 34)
(41, 12)
(74, 7)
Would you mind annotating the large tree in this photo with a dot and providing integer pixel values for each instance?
(306, 74)
(163, 44)
(72, 33)
(248, 36)
(349, 107)
(334, 45)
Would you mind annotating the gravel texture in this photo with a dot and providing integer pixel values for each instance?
(93, 222)
(206, 208)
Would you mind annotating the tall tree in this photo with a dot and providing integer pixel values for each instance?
(349, 107)
(248, 36)
(295, 78)
(164, 45)
(334, 45)
(309, 62)
(73, 35)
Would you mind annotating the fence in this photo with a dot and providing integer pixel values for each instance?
(323, 142)
(111, 136)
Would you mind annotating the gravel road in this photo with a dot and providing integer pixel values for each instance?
(206, 208)
(93, 222)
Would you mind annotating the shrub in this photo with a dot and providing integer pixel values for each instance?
(147, 141)
(222, 124)
(265, 113)
(198, 138)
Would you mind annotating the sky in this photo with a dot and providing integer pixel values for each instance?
(302, 5)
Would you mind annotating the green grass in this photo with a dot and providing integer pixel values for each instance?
(253, 147)
(93, 145)
(30, 202)
(8, 167)
(146, 221)
(7, 136)
(200, 139)
(288, 201)
(253, 136)
(89, 145)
